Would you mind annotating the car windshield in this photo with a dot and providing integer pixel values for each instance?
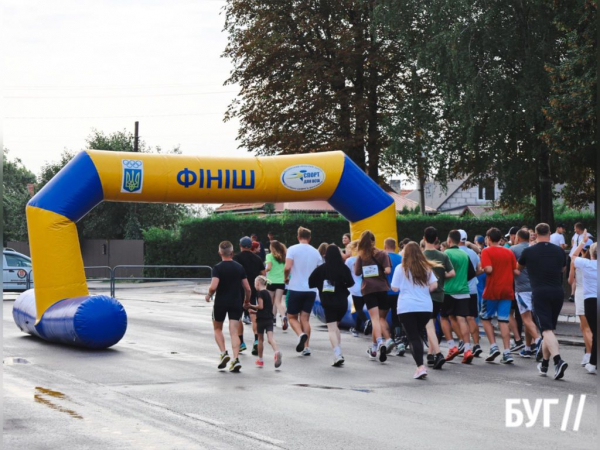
(16, 261)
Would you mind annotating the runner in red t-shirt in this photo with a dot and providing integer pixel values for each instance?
(500, 265)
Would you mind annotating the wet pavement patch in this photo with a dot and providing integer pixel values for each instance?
(13, 360)
(320, 386)
(41, 395)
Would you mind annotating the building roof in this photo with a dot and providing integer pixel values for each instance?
(435, 196)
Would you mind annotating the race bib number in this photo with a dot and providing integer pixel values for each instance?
(370, 271)
(328, 287)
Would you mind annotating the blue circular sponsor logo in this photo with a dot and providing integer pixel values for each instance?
(302, 177)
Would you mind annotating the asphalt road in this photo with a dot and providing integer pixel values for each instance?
(159, 389)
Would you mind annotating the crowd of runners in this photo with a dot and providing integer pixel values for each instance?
(440, 287)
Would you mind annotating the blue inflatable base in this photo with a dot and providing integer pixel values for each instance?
(96, 321)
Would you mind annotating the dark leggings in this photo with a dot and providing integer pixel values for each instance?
(395, 322)
(414, 325)
(361, 317)
(591, 310)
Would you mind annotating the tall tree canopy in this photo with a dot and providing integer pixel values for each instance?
(15, 179)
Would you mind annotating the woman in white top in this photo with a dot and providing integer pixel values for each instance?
(415, 280)
(576, 282)
(589, 268)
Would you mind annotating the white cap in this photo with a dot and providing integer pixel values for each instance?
(463, 235)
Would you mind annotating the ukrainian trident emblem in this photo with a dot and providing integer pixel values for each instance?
(133, 176)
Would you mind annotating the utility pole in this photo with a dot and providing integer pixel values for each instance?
(136, 139)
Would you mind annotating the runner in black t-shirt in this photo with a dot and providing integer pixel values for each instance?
(228, 281)
(545, 263)
(254, 267)
(264, 320)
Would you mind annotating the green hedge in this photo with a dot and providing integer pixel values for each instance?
(197, 240)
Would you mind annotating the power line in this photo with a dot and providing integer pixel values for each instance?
(32, 97)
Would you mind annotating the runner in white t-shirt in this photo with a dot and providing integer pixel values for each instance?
(300, 261)
(558, 238)
(415, 280)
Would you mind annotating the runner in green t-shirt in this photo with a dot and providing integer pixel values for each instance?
(275, 264)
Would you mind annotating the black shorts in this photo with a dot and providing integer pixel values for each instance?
(264, 325)
(473, 306)
(335, 309)
(377, 300)
(232, 311)
(547, 304)
(274, 286)
(455, 306)
(393, 303)
(437, 307)
(300, 301)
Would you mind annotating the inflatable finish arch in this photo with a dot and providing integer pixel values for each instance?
(60, 309)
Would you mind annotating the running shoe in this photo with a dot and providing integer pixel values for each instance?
(526, 353)
(420, 374)
(284, 323)
(372, 354)
(259, 363)
(235, 365)
(301, 341)
(430, 359)
(494, 353)
(368, 327)
(306, 351)
(452, 353)
(400, 349)
(559, 369)
(277, 359)
(224, 360)
(585, 360)
(468, 357)
(338, 361)
(539, 354)
(243, 347)
(390, 345)
(461, 347)
(543, 370)
(247, 320)
(354, 332)
(591, 369)
(477, 350)
(382, 352)
(518, 345)
(507, 359)
(255, 348)
(439, 361)
(572, 299)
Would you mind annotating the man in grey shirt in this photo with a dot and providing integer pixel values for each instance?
(523, 295)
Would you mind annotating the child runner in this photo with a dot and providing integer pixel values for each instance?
(264, 320)
(228, 282)
(362, 323)
(415, 280)
(275, 263)
(332, 279)
(373, 264)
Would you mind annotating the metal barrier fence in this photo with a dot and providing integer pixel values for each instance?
(112, 278)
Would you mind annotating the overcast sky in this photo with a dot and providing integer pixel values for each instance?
(74, 65)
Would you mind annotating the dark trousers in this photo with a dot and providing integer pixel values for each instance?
(591, 310)
(414, 325)
(361, 317)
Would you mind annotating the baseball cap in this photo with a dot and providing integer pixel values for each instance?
(246, 242)
(463, 235)
(513, 230)
(481, 239)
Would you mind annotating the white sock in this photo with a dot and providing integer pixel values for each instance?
(537, 341)
(451, 343)
(260, 359)
(374, 347)
(527, 349)
(337, 351)
(467, 347)
(379, 341)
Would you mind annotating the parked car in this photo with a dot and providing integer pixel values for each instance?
(15, 267)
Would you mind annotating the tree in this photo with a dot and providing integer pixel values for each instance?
(15, 179)
(572, 106)
(118, 220)
(490, 59)
(314, 76)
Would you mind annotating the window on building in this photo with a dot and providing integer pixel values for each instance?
(487, 190)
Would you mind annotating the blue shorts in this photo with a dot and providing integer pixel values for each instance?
(300, 301)
(498, 308)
